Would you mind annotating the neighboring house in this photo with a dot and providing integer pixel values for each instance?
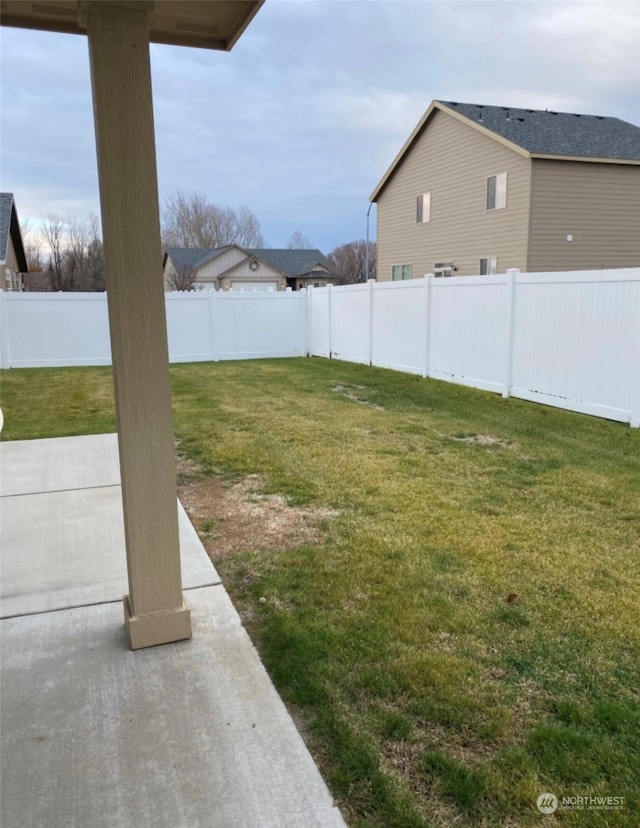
(480, 189)
(237, 268)
(13, 262)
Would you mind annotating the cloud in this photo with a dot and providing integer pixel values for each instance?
(303, 117)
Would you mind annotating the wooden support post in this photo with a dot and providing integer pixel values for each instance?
(155, 611)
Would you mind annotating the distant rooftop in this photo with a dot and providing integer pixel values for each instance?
(290, 262)
(547, 132)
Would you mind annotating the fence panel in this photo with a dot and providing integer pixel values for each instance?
(319, 327)
(43, 330)
(467, 340)
(399, 325)
(189, 328)
(258, 325)
(577, 341)
(350, 324)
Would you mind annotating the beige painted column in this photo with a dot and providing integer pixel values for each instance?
(155, 611)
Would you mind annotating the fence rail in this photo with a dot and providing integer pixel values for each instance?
(570, 340)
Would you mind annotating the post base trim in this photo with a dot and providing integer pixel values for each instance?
(156, 628)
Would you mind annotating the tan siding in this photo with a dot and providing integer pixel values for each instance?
(452, 161)
(243, 272)
(211, 270)
(599, 204)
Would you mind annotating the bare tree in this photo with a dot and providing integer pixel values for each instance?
(32, 249)
(181, 277)
(53, 232)
(75, 257)
(95, 271)
(189, 220)
(298, 242)
(247, 229)
(350, 261)
(76, 260)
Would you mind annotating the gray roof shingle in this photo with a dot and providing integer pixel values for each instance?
(290, 262)
(556, 133)
(188, 257)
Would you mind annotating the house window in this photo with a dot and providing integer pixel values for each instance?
(443, 269)
(489, 266)
(497, 191)
(423, 208)
(400, 272)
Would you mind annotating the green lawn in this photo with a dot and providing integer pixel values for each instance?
(427, 697)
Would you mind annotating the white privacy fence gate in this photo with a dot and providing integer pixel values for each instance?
(570, 340)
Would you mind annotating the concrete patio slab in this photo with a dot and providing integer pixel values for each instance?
(66, 549)
(31, 466)
(189, 734)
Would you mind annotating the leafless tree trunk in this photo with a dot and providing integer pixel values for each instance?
(53, 233)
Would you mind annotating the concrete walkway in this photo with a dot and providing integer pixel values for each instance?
(183, 735)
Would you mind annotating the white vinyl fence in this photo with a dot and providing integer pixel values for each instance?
(40, 330)
(570, 340)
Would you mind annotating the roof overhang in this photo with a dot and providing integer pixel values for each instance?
(205, 24)
(585, 159)
(307, 271)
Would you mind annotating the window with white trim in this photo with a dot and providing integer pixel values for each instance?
(497, 191)
(443, 269)
(489, 266)
(423, 208)
(400, 272)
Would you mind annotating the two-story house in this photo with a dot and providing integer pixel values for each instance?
(480, 189)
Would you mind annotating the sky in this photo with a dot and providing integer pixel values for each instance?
(302, 118)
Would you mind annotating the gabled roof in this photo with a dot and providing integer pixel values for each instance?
(537, 133)
(190, 257)
(289, 262)
(10, 228)
(556, 133)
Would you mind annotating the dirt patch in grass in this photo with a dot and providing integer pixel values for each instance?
(483, 440)
(237, 517)
(348, 392)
